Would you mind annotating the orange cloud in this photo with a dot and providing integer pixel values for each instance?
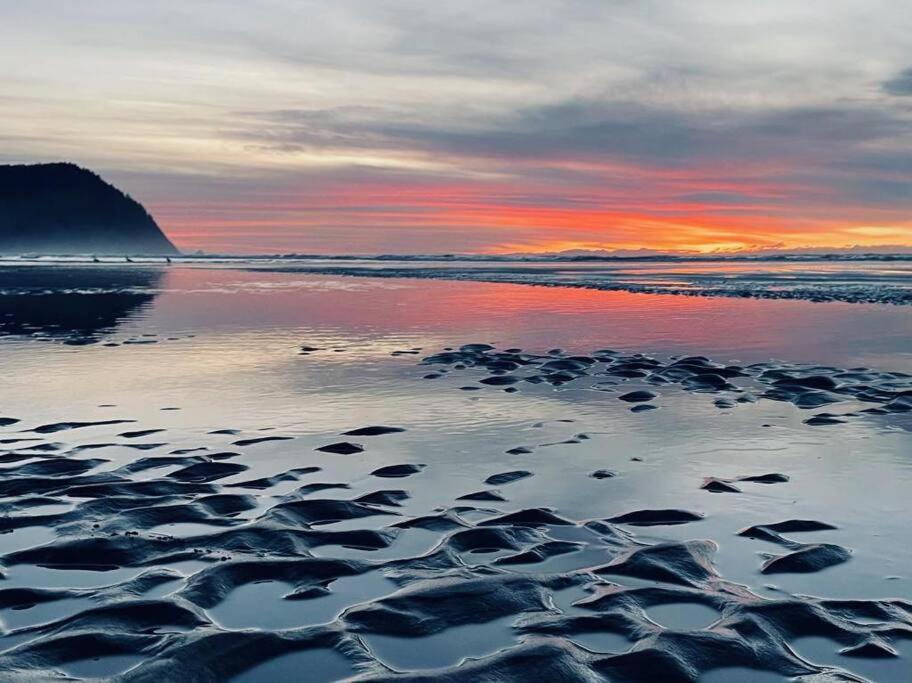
(682, 210)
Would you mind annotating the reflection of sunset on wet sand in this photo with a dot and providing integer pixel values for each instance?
(392, 341)
(288, 423)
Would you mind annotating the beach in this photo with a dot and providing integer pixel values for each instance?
(249, 470)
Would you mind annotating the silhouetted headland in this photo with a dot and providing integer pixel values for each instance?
(64, 209)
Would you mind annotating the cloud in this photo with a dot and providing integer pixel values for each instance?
(588, 129)
(900, 85)
(472, 125)
(855, 150)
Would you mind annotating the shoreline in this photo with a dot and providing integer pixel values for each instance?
(852, 285)
(877, 294)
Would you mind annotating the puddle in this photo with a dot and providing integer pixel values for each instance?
(187, 529)
(25, 537)
(313, 666)
(43, 613)
(100, 667)
(409, 543)
(442, 649)
(51, 577)
(824, 651)
(612, 643)
(260, 605)
(683, 616)
(740, 674)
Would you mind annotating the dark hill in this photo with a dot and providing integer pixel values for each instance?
(65, 209)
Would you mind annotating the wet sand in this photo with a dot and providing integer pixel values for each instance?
(471, 512)
(868, 281)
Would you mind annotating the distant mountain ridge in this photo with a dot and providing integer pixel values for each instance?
(61, 208)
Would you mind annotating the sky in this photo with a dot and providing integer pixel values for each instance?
(407, 126)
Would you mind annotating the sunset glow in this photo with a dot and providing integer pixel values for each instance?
(366, 127)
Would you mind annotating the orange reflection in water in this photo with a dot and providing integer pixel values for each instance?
(398, 313)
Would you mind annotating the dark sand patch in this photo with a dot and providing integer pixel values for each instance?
(139, 433)
(260, 439)
(375, 430)
(507, 477)
(656, 517)
(397, 471)
(66, 426)
(342, 448)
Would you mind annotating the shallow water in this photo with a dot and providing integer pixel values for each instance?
(319, 666)
(192, 350)
(850, 280)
